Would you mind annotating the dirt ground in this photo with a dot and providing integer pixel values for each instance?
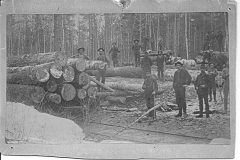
(109, 118)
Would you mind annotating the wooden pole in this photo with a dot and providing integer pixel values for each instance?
(101, 84)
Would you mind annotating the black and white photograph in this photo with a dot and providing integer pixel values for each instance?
(159, 78)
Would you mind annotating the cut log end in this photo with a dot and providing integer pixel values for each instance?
(68, 92)
(51, 85)
(54, 97)
(56, 70)
(84, 80)
(82, 93)
(68, 73)
(92, 91)
(80, 65)
(37, 94)
(42, 75)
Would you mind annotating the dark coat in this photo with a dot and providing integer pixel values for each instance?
(146, 63)
(114, 51)
(181, 77)
(136, 48)
(212, 73)
(160, 61)
(104, 59)
(149, 86)
(202, 79)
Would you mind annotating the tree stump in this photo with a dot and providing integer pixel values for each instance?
(68, 73)
(51, 85)
(37, 94)
(56, 70)
(53, 97)
(42, 75)
(82, 93)
(68, 92)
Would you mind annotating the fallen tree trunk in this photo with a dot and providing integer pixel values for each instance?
(26, 94)
(118, 93)
(25, 60)
(101, 84)
(51, 85)
(115, 99)
(68, 73)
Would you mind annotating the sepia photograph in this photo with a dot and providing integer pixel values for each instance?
(119, 78)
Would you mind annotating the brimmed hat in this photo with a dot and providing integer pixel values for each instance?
(114, 43)
(179, 62)
(202, 66)
(136, 40)
(101, 49)
(211, 63)
(81, 48)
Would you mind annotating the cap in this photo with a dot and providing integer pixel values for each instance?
(81, 48)
(100, 49)
(179, 62)
(136, 40)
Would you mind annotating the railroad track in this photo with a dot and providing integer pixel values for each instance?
(143, 130)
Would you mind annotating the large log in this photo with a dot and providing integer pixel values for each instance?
(26, 94)
(68, 73)
(51, 85)
(42, 75)
(82, 93)
(68, 92)
(118, 93)
(25, 60)
(84, 80)
(115, 99)
(101, 84)
(53, 97)
(56, 70)
(92, 91)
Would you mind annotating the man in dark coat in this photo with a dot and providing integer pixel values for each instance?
(146, 65)
(225, 76)
(212, 40)
(114, 51)
(101, 72)
(201, 85)
(150, 87)
(160, 44)
(212, 73)
(219, 38)
(136, 51)
(160, 66)
(180, 80)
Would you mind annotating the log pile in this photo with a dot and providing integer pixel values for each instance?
(56, 82)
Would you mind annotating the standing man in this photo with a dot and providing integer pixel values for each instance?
(201, 85)
(219, 38)
(81, 54)
(150, 87)
(212, 73)
(207, 41)
(114, 51)
(225, 76)
(136, 51)
(160, 66)
(212, 40)
(146, 64)
(101, 72)
(180, 80)
(160, 44)
(145, 43)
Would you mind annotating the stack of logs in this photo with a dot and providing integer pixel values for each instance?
(62, 80)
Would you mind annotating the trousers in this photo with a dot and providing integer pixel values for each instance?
(150, 104)
(137, 59)
(101, 74)
(181, 100)
(205, 98)
(160, 70)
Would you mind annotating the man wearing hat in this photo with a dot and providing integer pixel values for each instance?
(180, 80)
(201, 85)
(114, 51)
(219, 38)
(101, 72)
(146, 64)
(136, 51)
(150, 88)
(160, 65)
(212, 73)
(81, 54)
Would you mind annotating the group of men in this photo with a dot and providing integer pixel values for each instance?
(211, 38)
(204, 84)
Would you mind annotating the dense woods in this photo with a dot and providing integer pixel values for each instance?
(183, 33)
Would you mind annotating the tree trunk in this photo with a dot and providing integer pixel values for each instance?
(25, 60)
(114, 99)
(84, 80)
(92, 91)
(42, 75)
(68, 92)
(186, 35)
(58, 32)
(26, 94)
